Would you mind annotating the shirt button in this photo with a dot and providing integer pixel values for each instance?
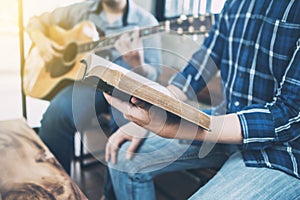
(236, 103)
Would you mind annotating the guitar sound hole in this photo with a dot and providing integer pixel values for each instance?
(70, 53)
(61, 66)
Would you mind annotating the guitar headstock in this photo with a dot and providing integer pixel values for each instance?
(200, 24)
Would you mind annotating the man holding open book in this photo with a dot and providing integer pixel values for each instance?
(255, 140)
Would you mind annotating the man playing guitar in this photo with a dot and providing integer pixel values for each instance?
(60, 123)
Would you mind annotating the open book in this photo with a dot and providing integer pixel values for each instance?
(116, 80)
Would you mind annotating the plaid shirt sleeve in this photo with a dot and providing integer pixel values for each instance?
(256, 46)
(282, 116)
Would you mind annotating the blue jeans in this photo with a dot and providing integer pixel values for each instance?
(236, 181)
(133, 179)
(66, 114)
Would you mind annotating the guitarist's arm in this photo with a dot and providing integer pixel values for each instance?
(38, 27)
(132, 51)
(48, 48)
(38, 31)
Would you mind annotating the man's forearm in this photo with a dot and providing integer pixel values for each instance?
(224, 129)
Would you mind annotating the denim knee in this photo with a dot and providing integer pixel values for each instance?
(125, 165)
(120, 175)
(135, 165)
(140, 177)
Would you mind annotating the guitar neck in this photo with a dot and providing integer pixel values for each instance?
(183, 25)
(108, 42)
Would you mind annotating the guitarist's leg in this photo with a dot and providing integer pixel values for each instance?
(58, 125)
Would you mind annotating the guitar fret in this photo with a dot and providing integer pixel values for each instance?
(93, 45)
(90, 46)
(105, 42)
(146, 32)
(163, 27)
(111, 41)
(155, 30)
(86, 47)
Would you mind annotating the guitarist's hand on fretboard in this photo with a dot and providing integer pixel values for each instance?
(130, 46)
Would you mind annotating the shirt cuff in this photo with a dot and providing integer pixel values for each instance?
(257, 128)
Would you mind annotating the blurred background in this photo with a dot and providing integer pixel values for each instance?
(10, 77)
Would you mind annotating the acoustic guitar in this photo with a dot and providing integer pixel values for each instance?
(43, 80)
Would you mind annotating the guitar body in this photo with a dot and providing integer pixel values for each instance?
(43, 80)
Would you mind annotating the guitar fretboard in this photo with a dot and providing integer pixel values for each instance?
(182, 25)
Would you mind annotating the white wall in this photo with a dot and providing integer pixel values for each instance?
(147, 4)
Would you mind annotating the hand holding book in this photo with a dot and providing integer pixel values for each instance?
(143, 101)
(148, 116)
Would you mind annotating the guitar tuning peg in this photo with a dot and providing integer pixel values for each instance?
(202, 18)
(191, 20)
(180, 31)
(183, 17)
(202, 29)
(191, 29)
(179, 21)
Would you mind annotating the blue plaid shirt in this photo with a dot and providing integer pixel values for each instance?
(256, 47)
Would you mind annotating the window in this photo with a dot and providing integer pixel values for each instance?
(174, 8)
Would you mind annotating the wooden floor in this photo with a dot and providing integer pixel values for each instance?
(171, 186)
